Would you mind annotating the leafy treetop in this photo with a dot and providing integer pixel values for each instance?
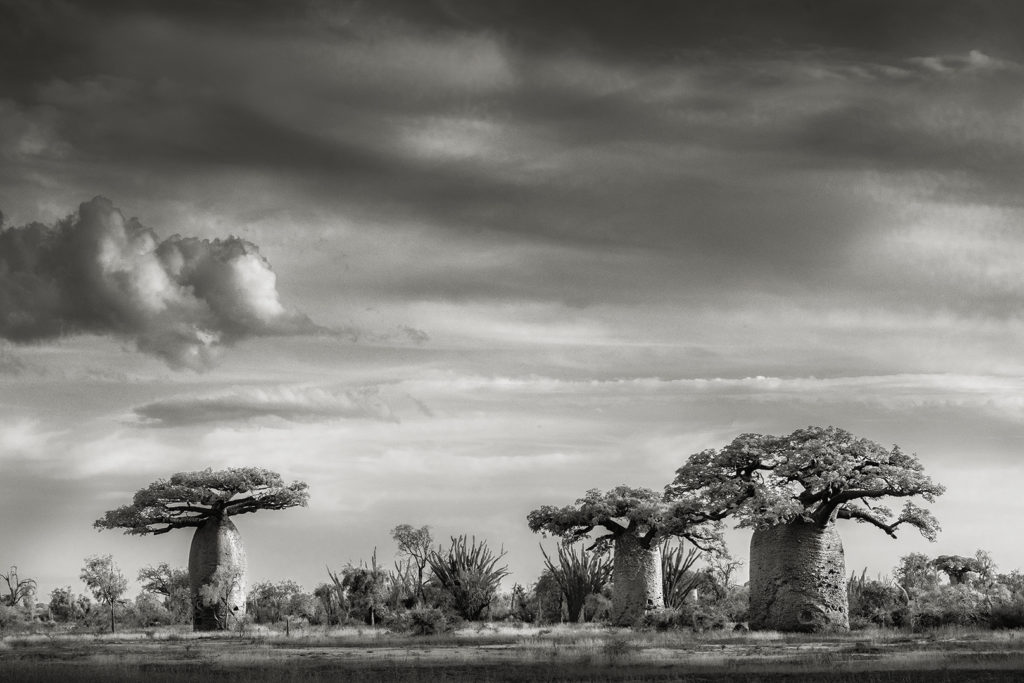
(817, 474)
(188, 499)
(623, 510)
(957, 567)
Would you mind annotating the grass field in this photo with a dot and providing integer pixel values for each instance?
(561, 653)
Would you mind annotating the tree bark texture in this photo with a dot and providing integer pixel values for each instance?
(798, 579)
(636, 578)
(217, 545)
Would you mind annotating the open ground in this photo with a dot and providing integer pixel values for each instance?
(504, 653)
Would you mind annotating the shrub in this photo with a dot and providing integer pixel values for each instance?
(426, 621)
(665, 619)
(13, 618)
(875, 602)
(469, 574)
(597, 607)
(1007, 615)
(948, 606)
(578, 575)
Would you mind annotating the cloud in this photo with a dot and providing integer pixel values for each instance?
(295, 404)
(181, 299)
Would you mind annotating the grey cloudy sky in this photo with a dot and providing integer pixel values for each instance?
(465, 258)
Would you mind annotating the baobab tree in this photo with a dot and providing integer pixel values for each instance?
(791, 490)
(958, 567)
(636, 521)
(207, 500)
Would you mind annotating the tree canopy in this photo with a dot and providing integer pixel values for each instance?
(621, 510)
(188, 499)
(817, 474)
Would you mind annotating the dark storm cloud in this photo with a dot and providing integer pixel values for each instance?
(180, 299)
(704, 132)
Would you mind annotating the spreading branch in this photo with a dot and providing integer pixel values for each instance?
(188, 499)
(815, 474)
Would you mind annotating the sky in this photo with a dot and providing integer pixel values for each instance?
(447, 261)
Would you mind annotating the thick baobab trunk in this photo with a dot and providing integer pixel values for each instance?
(636, 578)
(798, 579)
(216, 573)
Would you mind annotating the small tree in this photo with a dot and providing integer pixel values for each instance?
(282, 601)
(18, 590)
(578, 574)
(105, 581)
(206, 500)
(916, 574)
(172, 584)
(467, 571)
(329, 605)
(414, 544)
(362, 589)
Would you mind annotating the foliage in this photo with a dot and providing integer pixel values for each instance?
(957, 567)
(362, 590)
(414, 544)
(578, 574)
(467, 571)
(875, 602)
(216, 595)
(105, 581)
(66, 606)
(1008, 614)
(665, 619)
(13, 618)
(187, 499)
(957, 605)
(960, 569)
(148, 610)
(916, 573)
(719, 575)
(271, 603)
(329, 605)
(19, 590)
(639, 511)
(423, 621)
(597, 607)
(173, 585)
(816, 474)
(677, 574)
(545, 602)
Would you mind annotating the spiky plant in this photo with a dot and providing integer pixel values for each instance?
(578, 575)
(677, 575)
(467, 571)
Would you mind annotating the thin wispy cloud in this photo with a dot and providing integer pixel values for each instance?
(242, 404)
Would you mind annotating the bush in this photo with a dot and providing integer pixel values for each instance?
(469, 574)
(427, 621)
(1007, 615)
(13, 618)
(597, 607)
(948, 606)
(709, 618)
(875, 603)
(665, 619)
